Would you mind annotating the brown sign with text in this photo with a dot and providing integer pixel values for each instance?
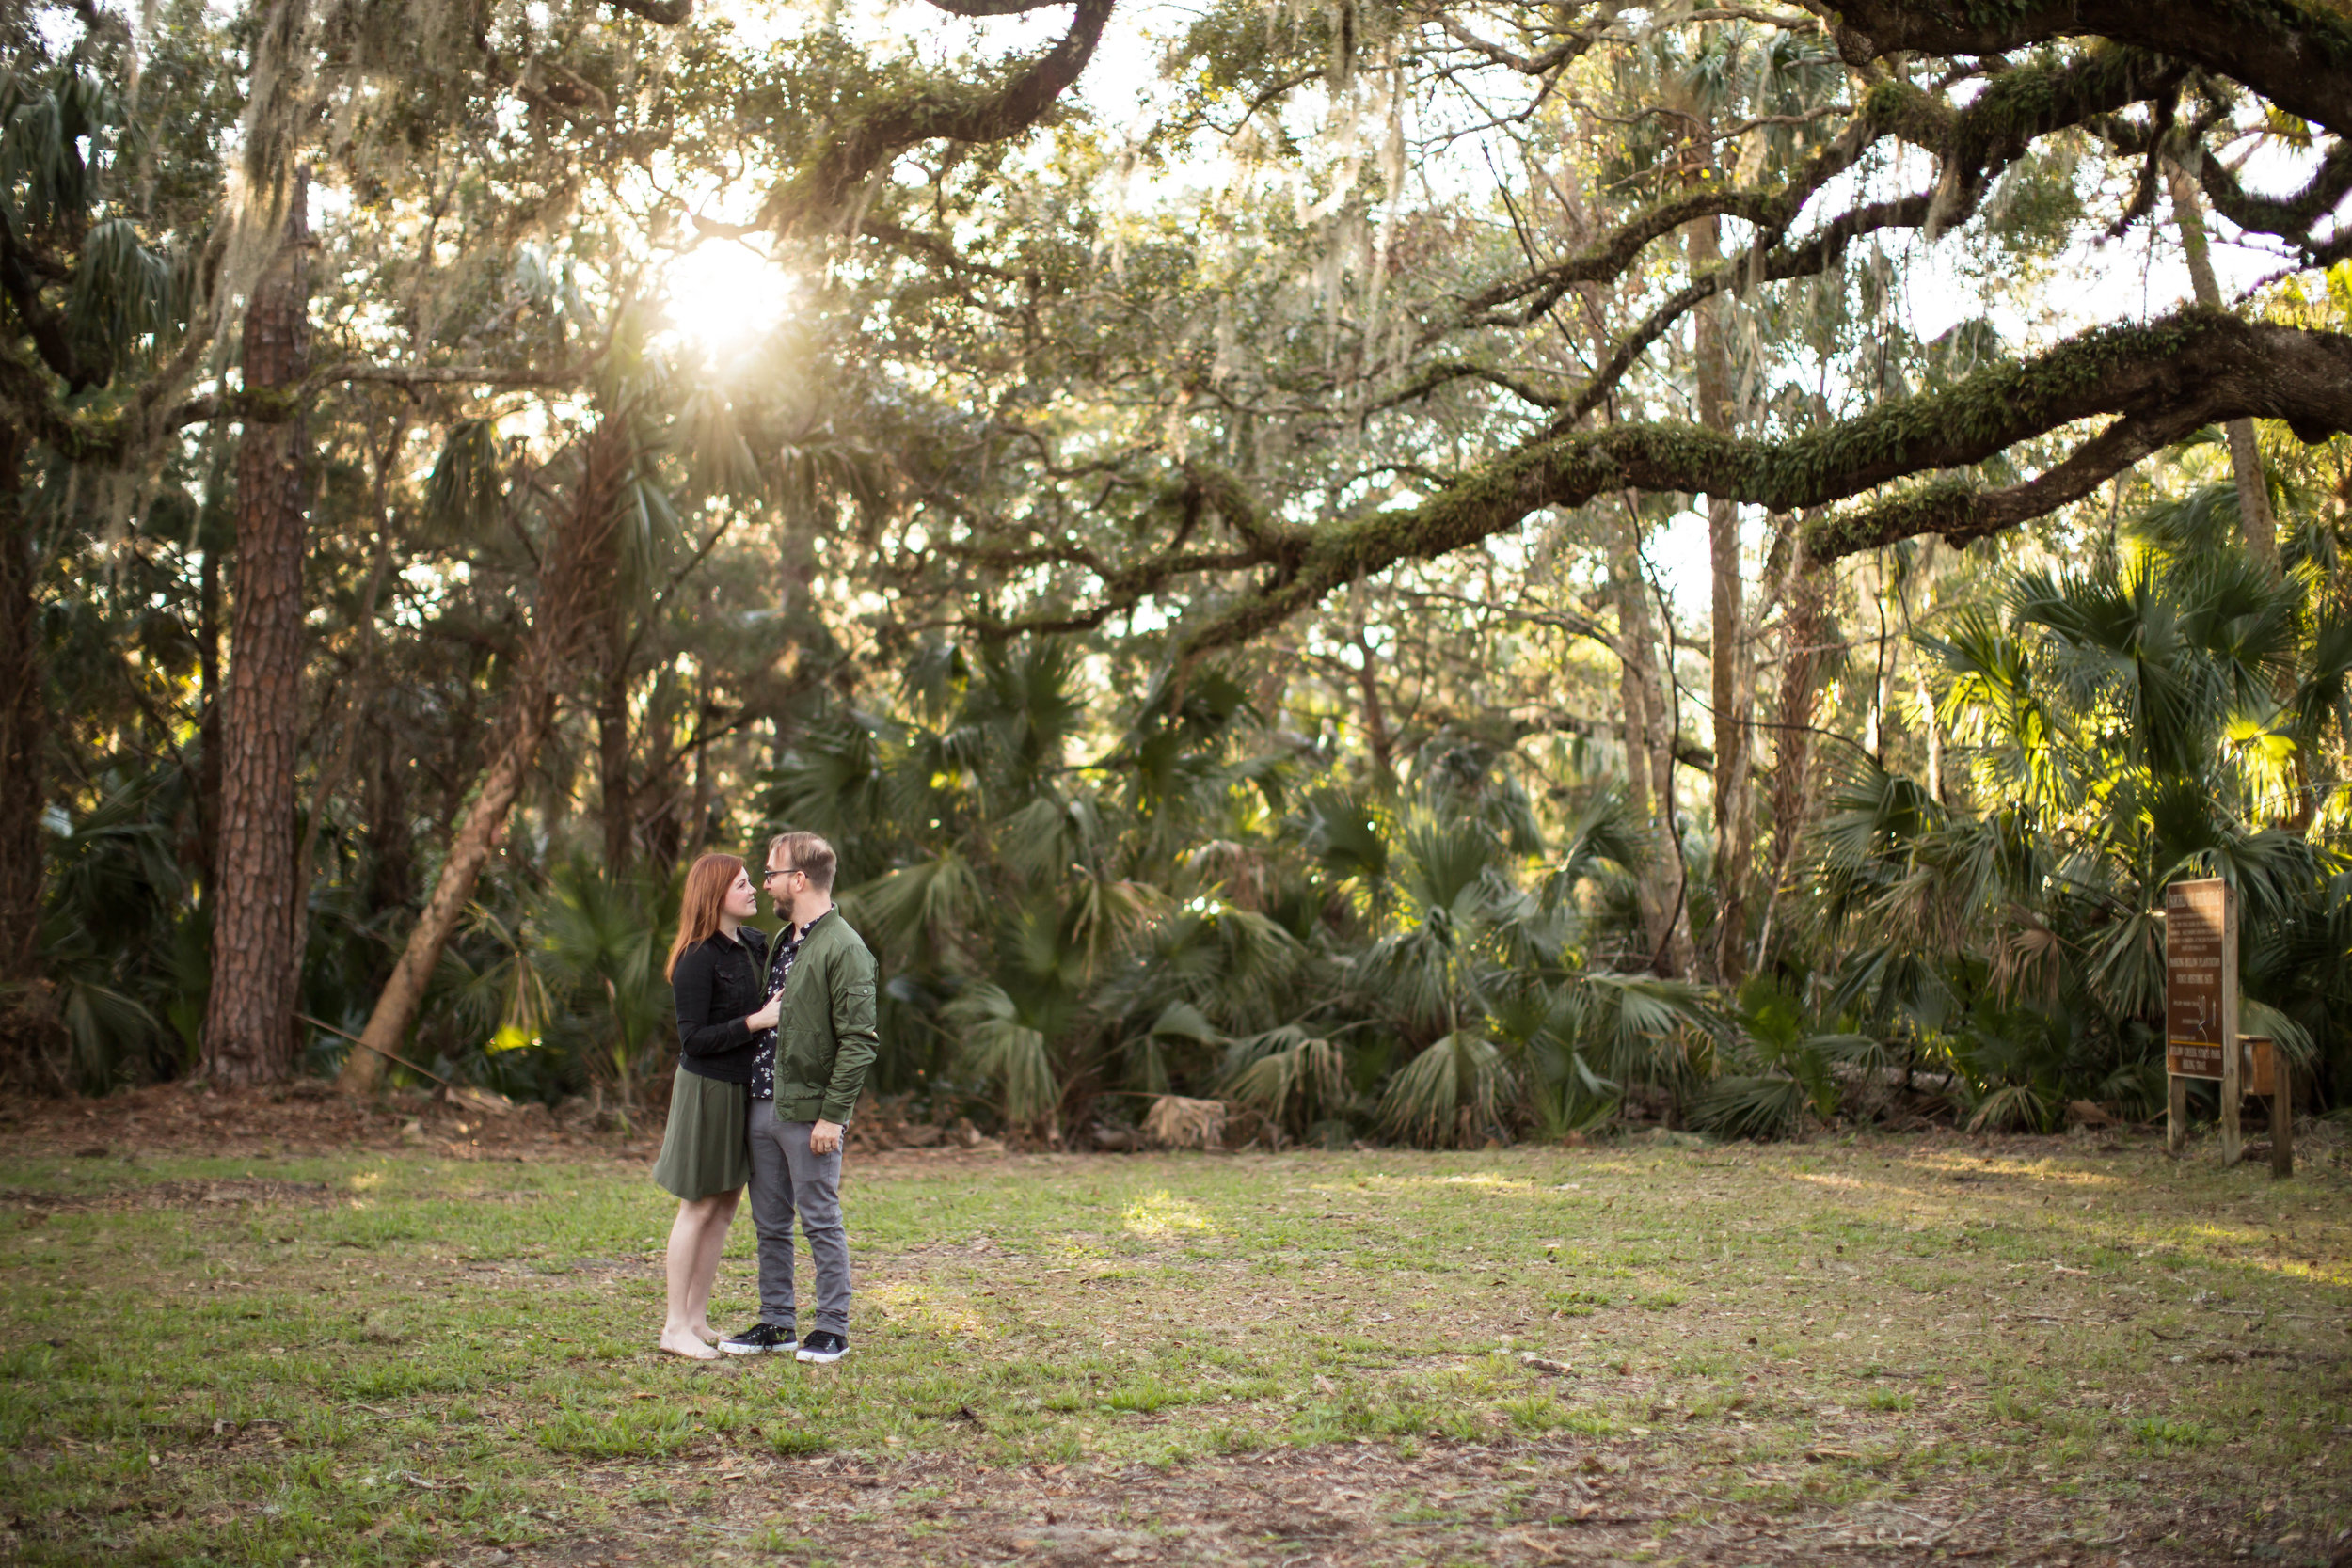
(2199, 975)
(2196, 1059)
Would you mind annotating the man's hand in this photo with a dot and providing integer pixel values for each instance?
(825, 1138)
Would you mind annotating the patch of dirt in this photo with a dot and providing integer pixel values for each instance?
(167, 1194)
(1554, 1502)
(306, 1117)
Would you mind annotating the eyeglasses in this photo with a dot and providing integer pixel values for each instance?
(776, 871)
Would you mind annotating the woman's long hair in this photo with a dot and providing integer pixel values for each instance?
(706, 884)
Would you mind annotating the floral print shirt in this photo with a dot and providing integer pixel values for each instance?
(779, 970)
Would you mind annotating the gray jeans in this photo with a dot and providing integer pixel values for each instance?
(788, 1178)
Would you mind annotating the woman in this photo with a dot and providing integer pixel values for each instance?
(717, 975)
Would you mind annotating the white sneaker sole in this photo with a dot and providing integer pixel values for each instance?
(822, 1357)
(758, 1349)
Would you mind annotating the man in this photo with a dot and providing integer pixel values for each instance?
(806, 1080)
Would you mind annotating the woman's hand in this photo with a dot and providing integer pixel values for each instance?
(767, 1015)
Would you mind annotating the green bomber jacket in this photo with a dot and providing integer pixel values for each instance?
(825, 1037)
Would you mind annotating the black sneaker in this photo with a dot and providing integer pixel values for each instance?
(822, 1346)
(758, 1339)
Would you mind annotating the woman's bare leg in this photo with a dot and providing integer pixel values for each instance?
(695, 1216)
(713, 1246)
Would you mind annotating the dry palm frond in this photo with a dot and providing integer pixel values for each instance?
(488, 1101)
(1240, 872)
(1176, 1123)
(2030, 959)
(1285, 1070)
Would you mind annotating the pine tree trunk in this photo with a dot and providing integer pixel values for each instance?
(1376, 737)
(257, 908)
(208, 722)
(25, 1024)
(1805, 629)
(530, 711)
(698, 826)
(1728, 678)
(2257, 524)
(576, 578)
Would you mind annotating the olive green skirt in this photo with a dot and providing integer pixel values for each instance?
(706, 1148)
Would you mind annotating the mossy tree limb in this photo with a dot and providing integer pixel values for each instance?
(2159, 382)
(2290, 217)
(2295, 52)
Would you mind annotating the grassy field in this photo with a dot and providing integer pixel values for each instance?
(1888, 1350)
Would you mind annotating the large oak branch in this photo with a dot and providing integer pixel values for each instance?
(2159, 382)
(2295, 52)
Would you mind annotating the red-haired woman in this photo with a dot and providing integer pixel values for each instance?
(718, 968)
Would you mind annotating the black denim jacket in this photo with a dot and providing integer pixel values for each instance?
(718, 984)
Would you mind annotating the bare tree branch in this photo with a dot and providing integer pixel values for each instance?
(992, 8)
(1544, 64)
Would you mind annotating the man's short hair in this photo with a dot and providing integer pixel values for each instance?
(806, 852)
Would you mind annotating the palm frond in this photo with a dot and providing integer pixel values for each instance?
(467, 490)
(1450, 1094)
(1758, 1106)
(915, 906)
(1285, 1071)
(123, 292)
(999, 1046)
(1640, 1028)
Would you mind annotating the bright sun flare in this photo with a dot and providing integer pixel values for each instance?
(724, 296)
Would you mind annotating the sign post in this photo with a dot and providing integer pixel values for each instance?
(2200, 1005)
(2270, 1075)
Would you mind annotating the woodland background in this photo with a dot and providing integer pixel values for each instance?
(1189, 501)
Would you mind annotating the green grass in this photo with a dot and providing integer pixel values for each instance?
(420, 1358)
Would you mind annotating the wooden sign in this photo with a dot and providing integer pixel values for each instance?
(2200, 971)
(2196, 1059)
(2192, 1059)
(2257, 1064)
(2201, 1003)
(2268, 1074)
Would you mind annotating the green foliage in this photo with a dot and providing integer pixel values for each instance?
(1077, 934)
(576, 985)
(918, 566)
(1780, 1069)
(114, 889)
(2146, 716)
